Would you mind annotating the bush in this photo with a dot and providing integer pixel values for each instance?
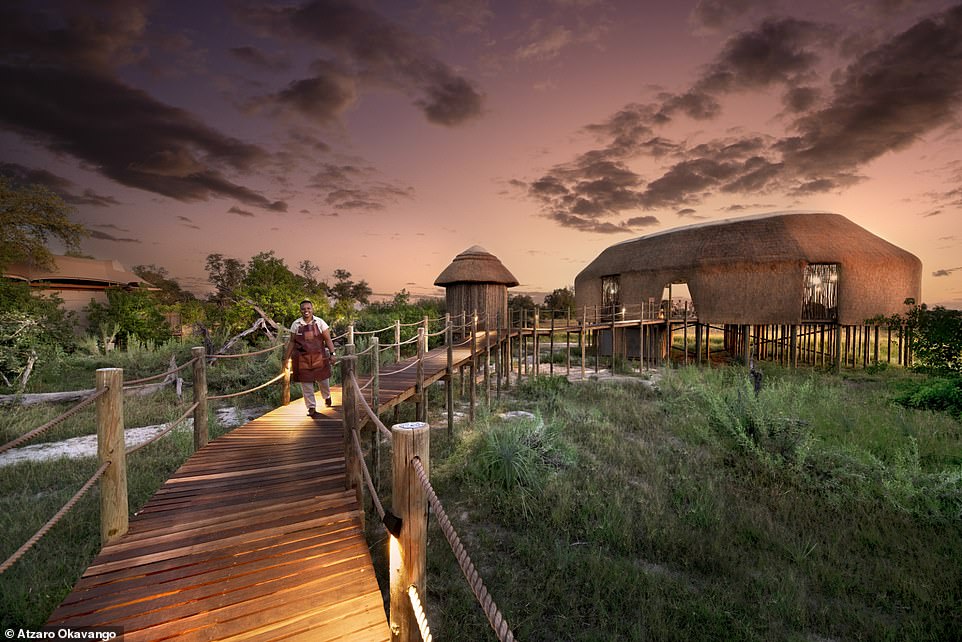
(940, 395)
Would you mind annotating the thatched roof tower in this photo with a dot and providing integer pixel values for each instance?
(477, 281)
(780, 268)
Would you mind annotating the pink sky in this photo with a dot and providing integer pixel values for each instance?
(387, 137)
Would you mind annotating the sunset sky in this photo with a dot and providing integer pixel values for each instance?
(386, 137)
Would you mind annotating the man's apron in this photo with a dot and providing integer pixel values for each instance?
(310, 356)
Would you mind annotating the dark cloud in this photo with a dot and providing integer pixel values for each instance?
(946, 272)
(321, 98)
(353, 187)
(884, 100)
(378, 50)
(686, 211)
(586, 224)
(62, 186)
(103, 236)
(718, 13)
(800, 99)
(111, 226)
(60, 91)
(240, 212)
(257, 58)
(642, 221)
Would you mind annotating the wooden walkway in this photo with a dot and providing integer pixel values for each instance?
(253, 538)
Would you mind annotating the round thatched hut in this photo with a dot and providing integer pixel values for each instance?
(780, 268)
(477, 281)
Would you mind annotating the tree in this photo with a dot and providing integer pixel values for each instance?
(29, 216)
(270, 284)
(520, 302)
(135, 314)
(169, 291)
(347, 294)
(226, 275)
(562, 299)
(32, 329)
(936, 338)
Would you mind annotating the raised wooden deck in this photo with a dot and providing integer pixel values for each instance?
(253, 538)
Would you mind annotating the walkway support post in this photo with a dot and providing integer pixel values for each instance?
(498, 359)
(410, 503)
(487, 363)
(449, 371)
(551, 347)
(111, 447)
(350, 333)
(286, 384)
(421, 401)
(474, 364)
(349, 407)
(201, 435)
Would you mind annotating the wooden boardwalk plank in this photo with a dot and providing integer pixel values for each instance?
(253, 538)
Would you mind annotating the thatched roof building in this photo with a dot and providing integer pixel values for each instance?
(477, 281)
(780, 268)
(76, 280)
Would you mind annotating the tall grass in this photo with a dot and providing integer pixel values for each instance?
(816, 510)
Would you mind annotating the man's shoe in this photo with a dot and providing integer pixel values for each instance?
(311, 412)
(328, 402)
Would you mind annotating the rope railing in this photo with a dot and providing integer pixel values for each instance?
(384, 329)
(249, 390)
(491, 610)
(134, 382)
(55, 519)
(367, 409)
(399, 370)
(367, 475)
(245, 354)
(169, 427)
(419, 615)
(22, 439)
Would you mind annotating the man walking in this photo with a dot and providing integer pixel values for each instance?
(313, 355)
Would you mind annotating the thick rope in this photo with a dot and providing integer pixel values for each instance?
(53, 422)
(390, 327)
(367, 475)
(438, 333)
(495, 618)
(134, 382)
(244, 392)
(364, 351)
(367, 409)
(245, 354)
(394, 372)
(163, 432)
(419, 615)
(53, 520)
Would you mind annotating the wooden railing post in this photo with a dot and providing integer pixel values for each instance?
(409, 502)
(201, 434)
(551, 347)
(474, 363)
(375, 373)
(581, 340)
(352, 478)
(427, 331)
(536, 343)
(397, 340)
(350, 333)
(449, 372)
(111, 447)
(421, 397)
(286, 384)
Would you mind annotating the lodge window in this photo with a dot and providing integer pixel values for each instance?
(610, 295)
(820, 296)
